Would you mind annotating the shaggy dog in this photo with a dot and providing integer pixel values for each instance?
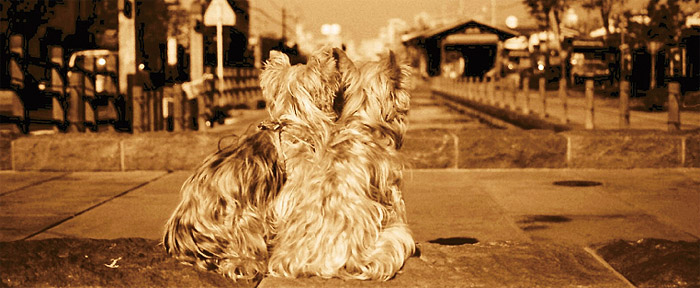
(315, 191)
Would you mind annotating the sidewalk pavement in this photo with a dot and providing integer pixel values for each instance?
(517, 227)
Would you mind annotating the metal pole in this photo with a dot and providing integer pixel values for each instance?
(674, 115)
(589, 105)
(564, 101)
(624, 104)
(526, 93)
(543, 97)
(220, 56)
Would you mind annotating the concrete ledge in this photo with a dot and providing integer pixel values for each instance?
(692, 151)
(511, 149)
(424, 148)
(624, 149)
(84, 152)
(167, 151)
(6, 138)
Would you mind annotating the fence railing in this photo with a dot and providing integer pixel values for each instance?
(85, 97)
(513, 95)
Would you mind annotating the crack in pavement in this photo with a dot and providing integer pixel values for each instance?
(33, 184)
(96, 205)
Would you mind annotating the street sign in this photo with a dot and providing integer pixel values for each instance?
(219, 11)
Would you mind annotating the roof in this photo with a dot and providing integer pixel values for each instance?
(459, 27)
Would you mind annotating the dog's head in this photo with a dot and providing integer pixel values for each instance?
(380, 94)
(310, 93)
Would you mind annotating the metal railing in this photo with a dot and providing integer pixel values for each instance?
(514, 96)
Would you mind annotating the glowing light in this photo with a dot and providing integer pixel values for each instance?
(330, 29)
(101, 61)
(512, 22)
(142, 66)
(540, 67)
(42, 86)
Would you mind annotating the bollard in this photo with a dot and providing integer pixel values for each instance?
(502, 87)
(135, 95)
(491, 90)
(469, 88)
(76, 110)
(589, 123)
(502, 92)
(178, 104)
(624, 104)
(543, 97)
(16, 64)
(514, 94)
(674, 115)
(564, 101)
(526, 94)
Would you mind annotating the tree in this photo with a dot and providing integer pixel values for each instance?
(661, 26)
(605, 8)
(548, 14)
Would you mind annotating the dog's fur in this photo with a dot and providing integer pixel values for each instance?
(343, 215)
(319, 194)
(222, 222)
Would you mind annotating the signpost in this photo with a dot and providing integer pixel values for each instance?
(219, 13)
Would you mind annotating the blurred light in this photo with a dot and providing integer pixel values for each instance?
(253, 41)
(570, 17)
(512, 22)
(573, 61)
(142, 66)
(540, 67)
(101, 61)
(42, 86)
(330, 29)
(208, 123)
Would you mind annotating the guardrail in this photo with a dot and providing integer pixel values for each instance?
(508, 95)
(85, 97)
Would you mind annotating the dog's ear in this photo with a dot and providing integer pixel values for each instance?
(349, 77)
(395, 70)
(344, 65)
(277, 58)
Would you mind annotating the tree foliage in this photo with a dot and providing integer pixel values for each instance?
(605, 9)
(541, 9)
(662, 23)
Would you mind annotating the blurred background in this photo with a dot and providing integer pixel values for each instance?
(77, 65)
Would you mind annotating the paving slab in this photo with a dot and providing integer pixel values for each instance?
(670, 195)
(446, 204)
(629, 204)
(13, 180)
(34, 208)
(475, 228)
(141, 213)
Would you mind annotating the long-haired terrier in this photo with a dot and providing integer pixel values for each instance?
(342, 214)
(223, 220)
(318, 192)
